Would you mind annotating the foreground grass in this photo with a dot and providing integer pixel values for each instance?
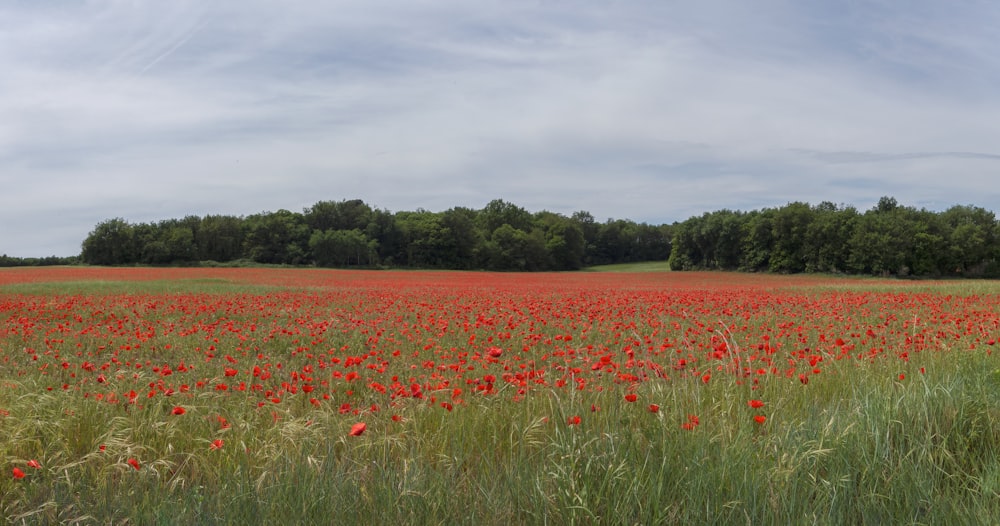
(857, 450)
(866, 441)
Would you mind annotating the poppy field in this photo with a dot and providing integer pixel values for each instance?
(272, 395)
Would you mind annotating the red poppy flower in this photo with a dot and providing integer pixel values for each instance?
(357, 429)
(756, 404)
(34, 464)
(574, 420)
(216, 444)
(178, 410)
(654, 408)
(18, 474)
(631, 397)
(495, 352)
(760, 419)
(134, 463)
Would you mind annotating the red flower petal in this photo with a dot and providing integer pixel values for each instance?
(18, 474)
(357, 429)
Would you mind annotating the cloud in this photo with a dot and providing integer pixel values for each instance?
(648, 110)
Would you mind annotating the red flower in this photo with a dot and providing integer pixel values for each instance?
(760, 419)
(631, 397)
(357, 429)
(495, 352)
(706, 378)
(756, 404)
(574, 420)
(216, 444)
(34, 464)
(18, 474)
(134, 463)
(178, 410)
(654, 408)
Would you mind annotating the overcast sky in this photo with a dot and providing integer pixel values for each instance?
(646, 110)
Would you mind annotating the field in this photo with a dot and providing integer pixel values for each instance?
(298, 396)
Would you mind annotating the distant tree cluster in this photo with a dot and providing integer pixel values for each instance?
(350, 233)
(889, 239)
(10, 261)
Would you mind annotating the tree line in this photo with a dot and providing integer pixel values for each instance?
(888, 240)
(350, 233)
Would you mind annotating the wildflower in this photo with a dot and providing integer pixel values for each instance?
(706, 378)
(357, 429)
(692, 422)
(178, 410)
(760, 419)
(756, 404)
(494, 352)
(216, 444)
(654, 408)
(34, 464)
(574, 420)
(631, 397)
(134, 463)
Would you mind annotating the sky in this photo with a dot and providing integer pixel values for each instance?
(649, 110)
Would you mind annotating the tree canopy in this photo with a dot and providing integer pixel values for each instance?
(889, 240)
(350, 233)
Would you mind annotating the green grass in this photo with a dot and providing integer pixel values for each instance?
(855, 452)
(856, 445)
(645, 266)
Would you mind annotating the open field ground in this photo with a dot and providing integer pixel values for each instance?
(286, 396)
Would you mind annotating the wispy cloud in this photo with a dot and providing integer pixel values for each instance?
(649, 110)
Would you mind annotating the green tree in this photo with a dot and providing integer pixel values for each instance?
(342, 248)
(499, 212)
(464, 238)
(339, 215)
(110, 243)
(790, 225)
(220, 238)
(277, 237)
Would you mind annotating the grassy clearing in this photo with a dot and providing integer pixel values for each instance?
(871, 440)
(645, 266)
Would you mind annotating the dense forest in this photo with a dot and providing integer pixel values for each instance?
(888, 240)
(350, 233)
